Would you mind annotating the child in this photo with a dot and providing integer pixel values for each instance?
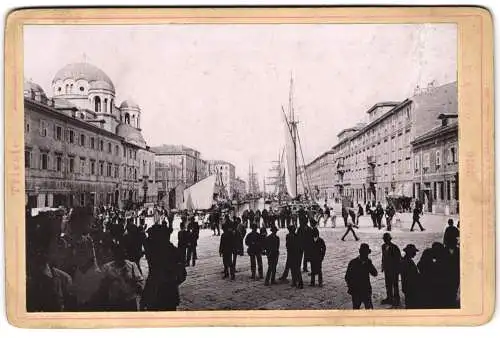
(317, 254)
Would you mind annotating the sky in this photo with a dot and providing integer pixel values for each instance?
(220, 88)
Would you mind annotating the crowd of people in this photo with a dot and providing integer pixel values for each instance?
(90, 260)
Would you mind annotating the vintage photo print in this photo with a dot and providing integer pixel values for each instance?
(206, 167)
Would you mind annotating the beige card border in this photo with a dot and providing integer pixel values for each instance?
(476, 128)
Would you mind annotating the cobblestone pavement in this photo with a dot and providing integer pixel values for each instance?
(205, 289)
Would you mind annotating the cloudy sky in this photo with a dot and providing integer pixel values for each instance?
(220, 88)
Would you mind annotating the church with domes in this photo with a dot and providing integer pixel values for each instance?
(81, 147)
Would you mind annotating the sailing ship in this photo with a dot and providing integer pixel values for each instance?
(293, 146)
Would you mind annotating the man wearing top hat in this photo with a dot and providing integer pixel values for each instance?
(357, 278)
(410, 277)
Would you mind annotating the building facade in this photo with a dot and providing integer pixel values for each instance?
(227, 172)
(320, 175)
(82, 150)
(376, 160)
(192, 167)
(435, 180)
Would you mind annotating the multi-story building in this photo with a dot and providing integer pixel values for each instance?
(374, 160)
(80, 149)
(436, 166)
(227, 173)
(319, 177)
(192, 167)
(167, 176)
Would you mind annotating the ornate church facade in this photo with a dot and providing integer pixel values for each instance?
(81, 149)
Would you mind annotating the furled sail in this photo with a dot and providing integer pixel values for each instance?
(290, 159)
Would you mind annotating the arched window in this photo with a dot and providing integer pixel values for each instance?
(438, 158)
(97, 104)
(111, 106)
(67, 88)
(127, 118)
(105, 105)
(71, 88)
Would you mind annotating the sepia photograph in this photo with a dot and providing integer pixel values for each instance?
(213, 166)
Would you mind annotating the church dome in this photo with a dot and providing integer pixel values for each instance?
(130, 134)
(32, 87)
(84, 71)
(129, 104)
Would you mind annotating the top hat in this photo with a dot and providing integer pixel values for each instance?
(410, 248)
(364, 247)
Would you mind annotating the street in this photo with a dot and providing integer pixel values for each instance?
(204, 288)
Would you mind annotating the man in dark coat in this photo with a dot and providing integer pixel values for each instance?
(257, 217)
(345, 215)
(357, 278)
(166, 272)
(265, 217)
(410, 277)
(318, 251)
(389, 214)
(194, 231)
(254, 243)
(244, 218)
(272, 245)
(416, 219)
(451, 243)
(184, 242)
(133, 241)
(379, 211)
(302, 215)
(391, 260)
(305, 238)
(227, 247)
(433, 267)
(251, 217)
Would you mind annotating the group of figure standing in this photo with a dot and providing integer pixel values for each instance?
(433, 283)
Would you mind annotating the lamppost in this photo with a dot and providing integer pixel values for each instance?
(145, 188)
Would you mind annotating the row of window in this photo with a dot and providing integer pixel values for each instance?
(100, 168)
(82, 140)
(426, 159)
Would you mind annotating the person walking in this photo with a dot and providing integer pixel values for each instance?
(389, 214)
(391, 260)
(272, 245)
(318, 251)
(357, 278)
(410, 277)
(416, 218)
(345, 215)
(350, 228)
(254, 243)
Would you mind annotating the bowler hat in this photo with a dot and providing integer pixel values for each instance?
(315, 232)
(364, 247)
(410, 248)
(387, 236)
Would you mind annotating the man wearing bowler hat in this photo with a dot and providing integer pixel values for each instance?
(391, 260)
(410, 277)
(357, 278)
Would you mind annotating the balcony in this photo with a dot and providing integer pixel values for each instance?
(371, 160)
(340, 168)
